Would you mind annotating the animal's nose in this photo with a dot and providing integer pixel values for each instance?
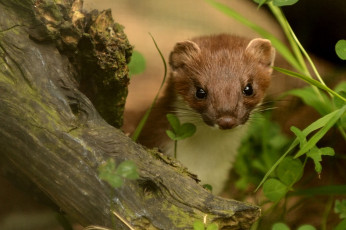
(226, 122)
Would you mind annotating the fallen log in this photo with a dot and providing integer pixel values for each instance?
(52, 135)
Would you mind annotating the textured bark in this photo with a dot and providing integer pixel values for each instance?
(52, 135)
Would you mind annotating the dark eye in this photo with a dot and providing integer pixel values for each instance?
(200, 93)
(248, 90)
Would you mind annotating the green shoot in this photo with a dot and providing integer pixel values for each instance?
(324, 124)
(179, 131)
(288, 173)
(310, 81)
(115, 176)
(144, 119)
(340, 49)
(340, 208)
(137, 64)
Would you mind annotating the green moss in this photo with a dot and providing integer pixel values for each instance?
(180, 218)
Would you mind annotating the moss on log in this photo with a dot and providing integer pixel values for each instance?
(52, 134)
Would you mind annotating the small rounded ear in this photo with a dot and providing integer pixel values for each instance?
(182, 53)
(261, 50)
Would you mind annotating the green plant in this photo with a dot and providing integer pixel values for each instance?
(282, 226)
(179, 131)
(144, 119)
(280, 178)
(115, 175)
(137, 64)
(259, 150)
(340, 49)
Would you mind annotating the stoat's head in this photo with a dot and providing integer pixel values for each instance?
(223, 78)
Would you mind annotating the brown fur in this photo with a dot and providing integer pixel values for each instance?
(222, 65)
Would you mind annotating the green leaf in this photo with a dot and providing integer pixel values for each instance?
(198, 225)
(107, 168)
(186, 130)
(338, 102)
(107, 172)
(173, 121)
(290, 171)
(306, 227)
(341, 89)
(326, 124)
(114, 176)
(340, 208)
(128, 170)
(340, 49)
(316, 155)
(261, 2)
(171, 135)
(212, 226)
(115, 181)
(312, 127)
(309, 97)
(144, 119)
(300, 135)
(341, 225)
(280, 226)
(284, 2)
(323, 190)
(137, 64)
(179, 131)
(309, 80)
(274, 189)
(208, 187)
(292, 146)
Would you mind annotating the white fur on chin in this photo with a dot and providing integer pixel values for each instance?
(209, 153)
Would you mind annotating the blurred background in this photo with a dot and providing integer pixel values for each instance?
(319, 24)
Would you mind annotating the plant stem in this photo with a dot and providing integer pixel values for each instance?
(326, 212)
(296, 46)
(280, 17)
(175, 148)
(144, 119)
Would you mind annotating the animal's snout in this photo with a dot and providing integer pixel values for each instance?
(226, 122)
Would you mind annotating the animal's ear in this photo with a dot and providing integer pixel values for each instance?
(182, 53)
(261, 50)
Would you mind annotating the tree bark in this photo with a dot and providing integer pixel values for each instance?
(51, 133)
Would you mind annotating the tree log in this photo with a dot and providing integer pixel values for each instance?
(52, 134)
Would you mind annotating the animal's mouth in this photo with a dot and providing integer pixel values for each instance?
(227, 122)
(223, 123)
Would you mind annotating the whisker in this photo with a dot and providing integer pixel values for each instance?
(266, 109)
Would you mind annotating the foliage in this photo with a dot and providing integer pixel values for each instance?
(340, 49)
(115, 175)
(277, 2)
(280, 172)
(137, 64)
(287, 174)
(179, 131)
(340, 208)
(282, 226)
(259, 150)
(286, 169)
(144, 119)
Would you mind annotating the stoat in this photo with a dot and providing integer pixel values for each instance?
(215, 83)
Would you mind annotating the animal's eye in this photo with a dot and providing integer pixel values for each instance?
(248, 90)
(201, 93)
